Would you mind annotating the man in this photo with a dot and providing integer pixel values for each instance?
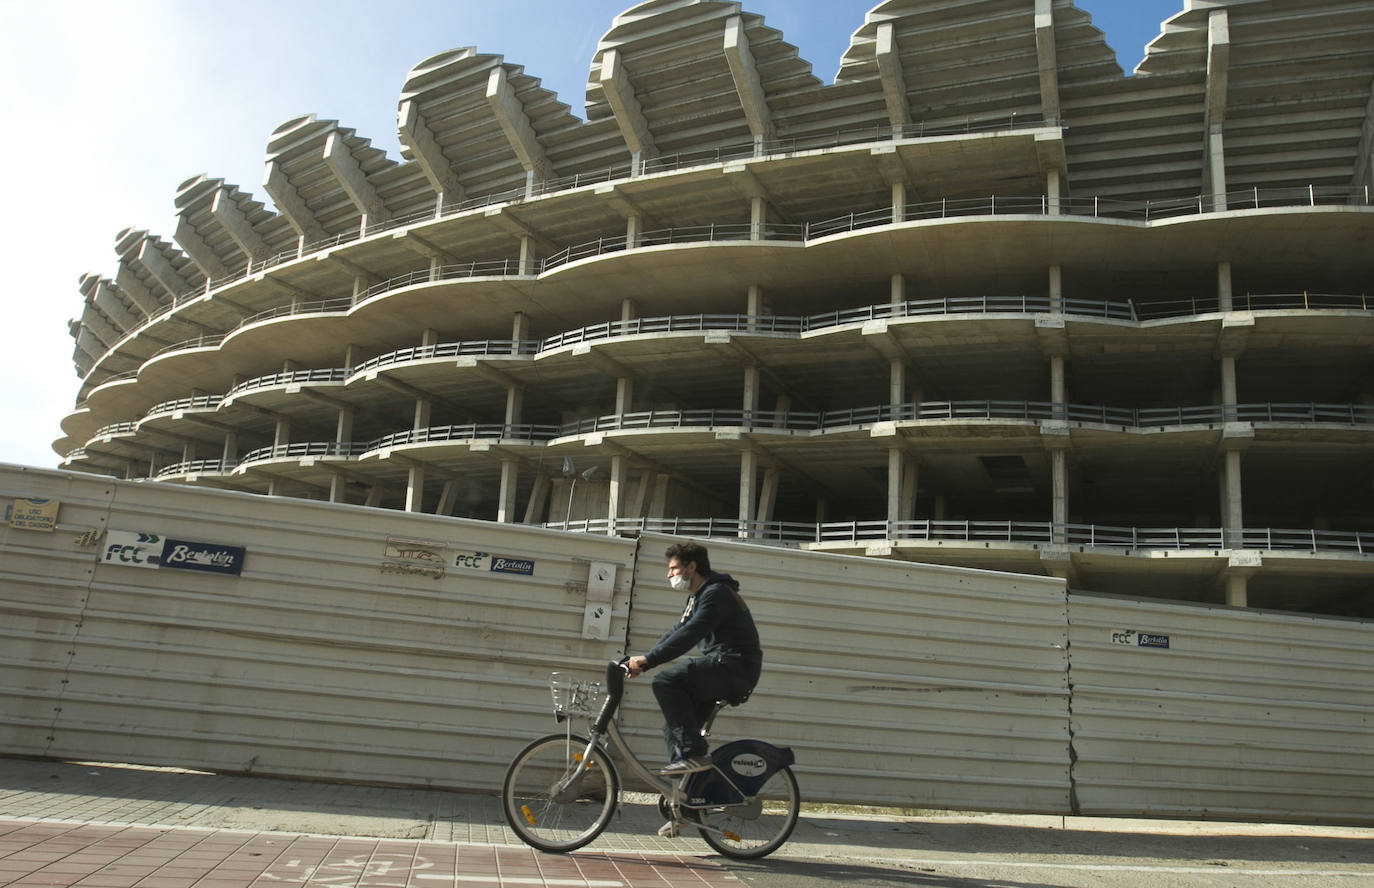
(716, 618)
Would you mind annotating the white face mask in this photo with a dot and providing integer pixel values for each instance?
(679, 583)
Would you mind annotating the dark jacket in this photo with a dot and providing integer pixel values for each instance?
(717, 619)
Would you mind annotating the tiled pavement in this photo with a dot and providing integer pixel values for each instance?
(102, 826)
(118, 826)
(37, 853)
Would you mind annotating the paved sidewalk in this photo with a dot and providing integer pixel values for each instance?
(112, 826)
(106, 826)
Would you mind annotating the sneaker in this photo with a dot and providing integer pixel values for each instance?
(671, 830)
(689, 765)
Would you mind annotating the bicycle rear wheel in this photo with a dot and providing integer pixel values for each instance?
(758, 826)
(553, 799)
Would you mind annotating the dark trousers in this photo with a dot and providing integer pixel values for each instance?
(686, 692)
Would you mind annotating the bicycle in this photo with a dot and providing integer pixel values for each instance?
(561, 790)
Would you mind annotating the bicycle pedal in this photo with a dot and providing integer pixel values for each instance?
(671, 830)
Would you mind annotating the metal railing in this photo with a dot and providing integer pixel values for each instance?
(309, 448)
(289, 377)
(115, 428)
(195, 467)
(1144, 210)
(1034, 534)
(465, 432)
(675, 324)
(200, 402)
(491, 347)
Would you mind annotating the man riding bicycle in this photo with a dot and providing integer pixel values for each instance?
(716, 618)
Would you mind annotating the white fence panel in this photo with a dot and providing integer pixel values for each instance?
(1244, 714)
(330, 655)
(895, 684)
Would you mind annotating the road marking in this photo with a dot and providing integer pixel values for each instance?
(1100, 867)
(525, 880)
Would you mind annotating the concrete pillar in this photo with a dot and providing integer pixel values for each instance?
(751, 393)
(281, 436)
(768, 494)
(755, 304)
(338, 488)
(374, 497)
(748, 481)
(896, 382)
(1237, 595)
(1058, 391)
(910, 474)
(434, 268)
(505, 506)
(634, 227)
(1060, 496)
(343, 429)
(615, 502)
(1224, 297)
(639, 495)
(1228, 383)
(1056, 289)
(415, 489)
(1232, 516)
(188, 450)
(897, 290)
(526, 255)
(758, 213)
(423, 408)
(515, 405)
(230, 454)
(898, 202)
(539, 498)
(895, 464)
(624, 395)
(448, 495)
(1052, 192)
(629, 309)
(660, 501)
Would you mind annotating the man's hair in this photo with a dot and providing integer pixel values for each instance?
(685, 552)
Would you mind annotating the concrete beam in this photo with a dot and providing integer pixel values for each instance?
(1214, 117)
(1363, 174)
(240, 230)
(745, 72)
(161, 269)
(107, 300)
(415, 135)
(290, 204)
(425, 247)
(1047, 59)
(890, 72)
(195, 246)
(629, 116)
(515, 123)
(504, 218)
(610, 366)
(614, 196)
(352, 179)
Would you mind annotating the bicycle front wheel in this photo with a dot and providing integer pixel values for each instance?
(553, 799)
(758, 826)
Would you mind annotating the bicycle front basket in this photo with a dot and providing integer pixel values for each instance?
(572, 696)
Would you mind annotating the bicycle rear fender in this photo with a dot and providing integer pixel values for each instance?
(746, 767)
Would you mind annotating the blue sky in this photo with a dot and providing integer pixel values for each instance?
(110, 106)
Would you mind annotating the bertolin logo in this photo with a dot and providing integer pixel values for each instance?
(501, 564)
(748, 764)
(206, 557)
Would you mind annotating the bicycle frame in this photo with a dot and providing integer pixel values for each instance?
(604, 726)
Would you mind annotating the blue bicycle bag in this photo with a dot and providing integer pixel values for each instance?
(742, 767)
